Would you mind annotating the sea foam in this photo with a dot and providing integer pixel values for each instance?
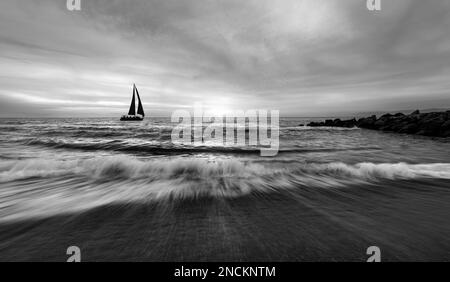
(39, 188)
(129, 168)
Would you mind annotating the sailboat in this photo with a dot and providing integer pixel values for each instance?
(132, 116)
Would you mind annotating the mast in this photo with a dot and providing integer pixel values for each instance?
(140, 110)
(132, 111)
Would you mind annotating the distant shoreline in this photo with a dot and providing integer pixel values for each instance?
(326, 116)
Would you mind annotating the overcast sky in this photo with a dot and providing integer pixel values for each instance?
(305, 58)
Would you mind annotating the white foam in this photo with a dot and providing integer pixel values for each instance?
(126, 168)
(389, 171)
(71, 186)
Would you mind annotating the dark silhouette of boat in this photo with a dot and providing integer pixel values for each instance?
(132, 115)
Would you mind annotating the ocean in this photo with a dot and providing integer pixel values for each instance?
(124, 191)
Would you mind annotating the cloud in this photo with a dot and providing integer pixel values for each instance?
(309, 57)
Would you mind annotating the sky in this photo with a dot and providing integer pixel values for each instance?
(301, 57)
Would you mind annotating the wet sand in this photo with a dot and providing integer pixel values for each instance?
(408, 221)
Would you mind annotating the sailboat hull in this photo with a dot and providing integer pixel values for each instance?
(131, 118)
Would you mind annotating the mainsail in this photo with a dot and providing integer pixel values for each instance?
(140, 110)
(132, 110)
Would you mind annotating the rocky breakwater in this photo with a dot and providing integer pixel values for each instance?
(428, 124)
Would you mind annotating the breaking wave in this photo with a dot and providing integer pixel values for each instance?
(39, 188)
(128, 168)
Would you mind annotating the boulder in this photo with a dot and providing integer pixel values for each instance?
(368, 122)
(349, 123)
(316, 124)
(386, 116)
(335, 123)
(410, 128)
(446, 125)
(445, 129)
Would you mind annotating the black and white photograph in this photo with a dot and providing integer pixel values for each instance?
(234, 131)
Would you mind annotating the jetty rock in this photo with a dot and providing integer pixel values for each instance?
(428, 124)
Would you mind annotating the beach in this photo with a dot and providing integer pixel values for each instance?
(124, 192)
